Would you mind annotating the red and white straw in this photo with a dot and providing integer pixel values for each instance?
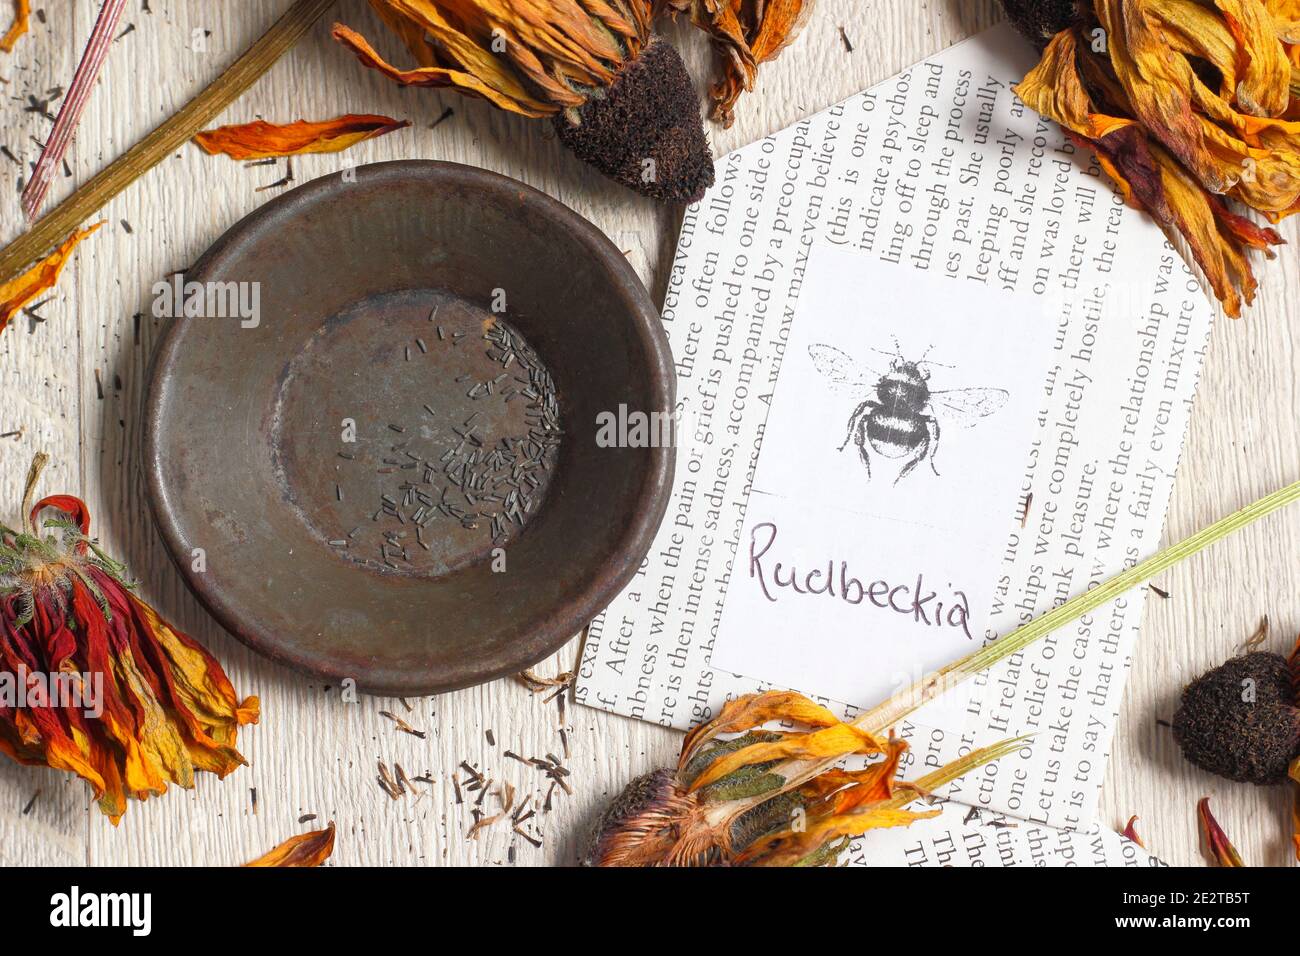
(65, 125)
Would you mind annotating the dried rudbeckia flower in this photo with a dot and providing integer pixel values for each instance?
(303, 850)
(22, 289)
(1187, 105)
(619, 96)
(1217, 845)
(262, 140)
(22, 15)
(766, 798)
(1241, 721)
(746, 33)
(92, 680)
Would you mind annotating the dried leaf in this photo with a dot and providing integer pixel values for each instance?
(22, 17)
(262, 140)
(24, 288)
(1217, 846)
(304, 850)
(1130, 831)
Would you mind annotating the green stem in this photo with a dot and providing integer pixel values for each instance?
(173, 133)
(879, 719)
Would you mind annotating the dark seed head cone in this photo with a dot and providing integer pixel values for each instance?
(1240, 720)
(646, 130)
(1040, 20)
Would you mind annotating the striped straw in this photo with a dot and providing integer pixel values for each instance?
(65, 125)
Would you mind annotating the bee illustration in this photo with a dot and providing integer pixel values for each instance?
(900, 415)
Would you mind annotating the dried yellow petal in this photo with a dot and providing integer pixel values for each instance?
(839, 740)
(754, 710)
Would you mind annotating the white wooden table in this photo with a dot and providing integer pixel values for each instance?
(72, 385)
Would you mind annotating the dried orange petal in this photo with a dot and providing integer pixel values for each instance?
(262, 140)
(22, 16)
(303, 850)
(17, 292)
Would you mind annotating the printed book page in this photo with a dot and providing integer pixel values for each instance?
(939, 175)
(965, 836)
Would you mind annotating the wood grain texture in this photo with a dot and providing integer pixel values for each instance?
(74, 384)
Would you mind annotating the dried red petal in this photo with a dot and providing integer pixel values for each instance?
(1217, 845)
(1130, 832)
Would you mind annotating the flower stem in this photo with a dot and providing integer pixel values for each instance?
(885, 715)
(65, 126)
(163, 141)
(29, 490)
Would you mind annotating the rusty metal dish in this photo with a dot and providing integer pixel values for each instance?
(363, 284)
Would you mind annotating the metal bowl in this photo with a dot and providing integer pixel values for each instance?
(374, 292)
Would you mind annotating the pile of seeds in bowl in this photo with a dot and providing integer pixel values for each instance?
(465, 472)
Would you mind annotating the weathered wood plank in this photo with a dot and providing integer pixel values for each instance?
(317, 754)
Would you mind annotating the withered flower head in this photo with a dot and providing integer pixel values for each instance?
(766, 798)
(745, 33)
(1187, 104)
(618, 95)
(93, 680)
(1241, 720)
